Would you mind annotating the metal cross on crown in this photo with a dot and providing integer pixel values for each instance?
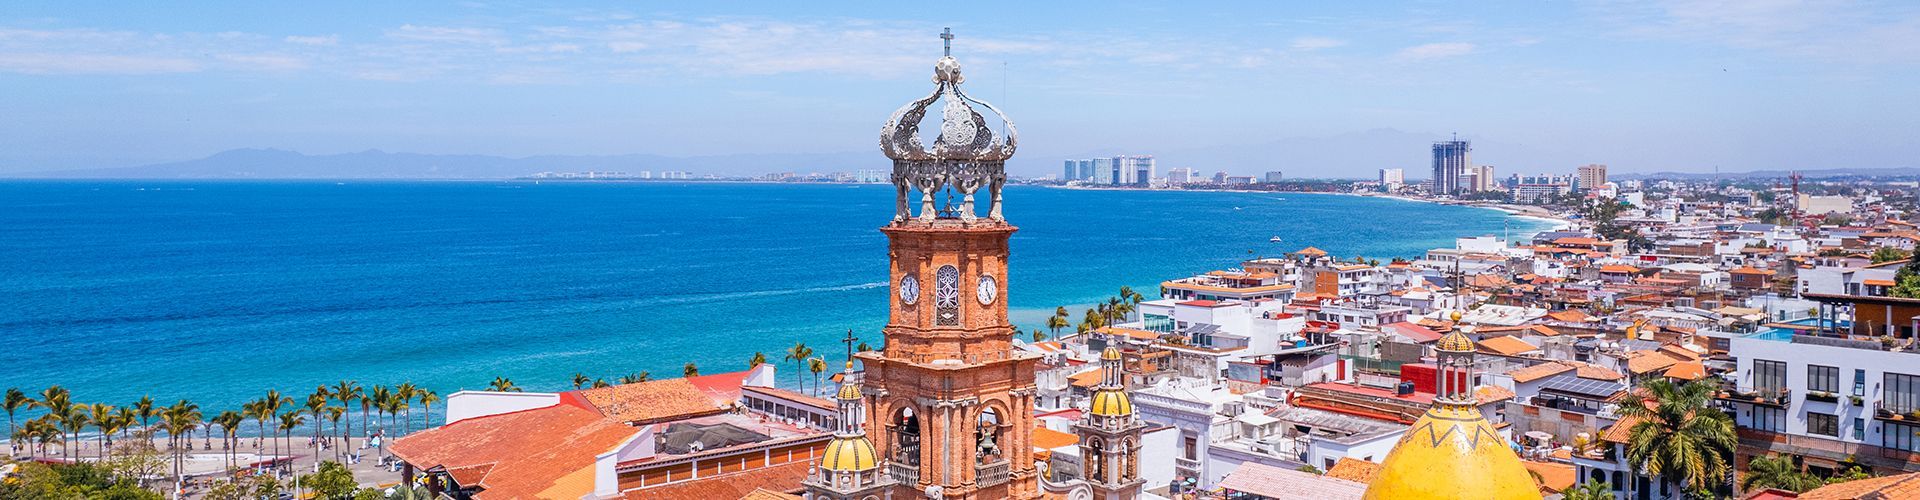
(946, 39)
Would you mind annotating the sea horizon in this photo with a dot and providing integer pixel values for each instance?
(218, 290)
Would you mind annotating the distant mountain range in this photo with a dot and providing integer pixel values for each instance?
(375, 164)
(1340, 156)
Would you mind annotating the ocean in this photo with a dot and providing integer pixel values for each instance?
(216, 291)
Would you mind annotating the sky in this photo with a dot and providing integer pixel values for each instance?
(1666, 86)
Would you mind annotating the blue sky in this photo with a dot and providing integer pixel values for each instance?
(1686, 85)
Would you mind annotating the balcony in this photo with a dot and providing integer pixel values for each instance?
(904, 474)
(1759, 442)
(990, 474)
(1775, 397)
(1895, 413)
(1186, 468)
(1823, 397)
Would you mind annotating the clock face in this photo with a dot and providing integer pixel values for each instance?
(909, 289)
(946, 287)
(988, 290)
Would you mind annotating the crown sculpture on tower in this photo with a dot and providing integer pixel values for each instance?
(966, 156)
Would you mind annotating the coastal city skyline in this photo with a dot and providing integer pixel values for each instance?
(922, 320)
(1539, 87)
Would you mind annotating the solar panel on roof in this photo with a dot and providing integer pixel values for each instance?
(1570, 384)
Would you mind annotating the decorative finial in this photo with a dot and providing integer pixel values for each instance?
(946, 39)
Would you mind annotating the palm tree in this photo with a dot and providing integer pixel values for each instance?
(229, 426)
(690, 371)
(580, 380)
(382, 395)
(799, 354)
(127, 417)
(635, 378)
(347, 392)
(14, 401)
(502, 384)
(1677, 434)
(57, 401)
(1056, 322)
(397, 405)
(1592, 490)
(1774, 471)
(404, 393)
(758, 358)
(1039, 336)
(102, 416)
(288, 422)
(269, 407)
(816, 365)
(427, 399)
(316, 406)
(333, 415)
(256, 410)
(46, 432)
(72, 419)
(144, 409)
(601, 382)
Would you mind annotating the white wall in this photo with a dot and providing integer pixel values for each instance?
(1157, 449)
(469, 404)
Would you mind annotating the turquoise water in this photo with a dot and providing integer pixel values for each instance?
(218, 291)
(1782, 334)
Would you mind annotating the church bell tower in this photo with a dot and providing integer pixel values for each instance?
(951, 399)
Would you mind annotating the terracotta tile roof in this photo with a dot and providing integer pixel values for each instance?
(1687, 370)
(1545, 330)
(1047, 439)
(1751, 270)
(1353, 469)
(1899, 486)
(1642, 362)
(1412, 331)
(1570, 316)
(1311, 251)
(1594, 372)
(1288, 484)
(1621, 431)
(782, 477)
(1506, 346)
(1537, 372)
(766, 494)
(722, 387)
(520, 454)
(1087, 378)
(1575, 241)
(1877, 282)
(1617, 268)
(1679, 353)
(651, 401)
(1491, 393)
(1554, 477)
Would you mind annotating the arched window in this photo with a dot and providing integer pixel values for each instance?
(1096, 460)
(905, 427)
(986, 437)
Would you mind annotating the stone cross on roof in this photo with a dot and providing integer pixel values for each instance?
(946, 38)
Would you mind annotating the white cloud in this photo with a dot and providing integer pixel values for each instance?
(317, 41)
(1316, 43)
(95, 64)
(1436, 50)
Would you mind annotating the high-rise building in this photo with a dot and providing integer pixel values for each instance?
(1139, 169)
(1086, 170)
(1592, 176)
(1103, 171)
(952, 411)
(1482, 179)
(1273, 177)
(1392, 178)
(1071, 172)
(1219, 177)
(1179, 175)
(1451, 159)
(1539, 187)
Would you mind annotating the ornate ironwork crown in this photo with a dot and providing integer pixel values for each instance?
(966, 156)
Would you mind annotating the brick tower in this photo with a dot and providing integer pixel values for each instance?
(951, 400)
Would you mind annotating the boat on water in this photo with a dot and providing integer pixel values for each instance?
(1275, 239)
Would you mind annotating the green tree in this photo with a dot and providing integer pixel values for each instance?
(333, 481)
(799, 354)
(1906, 281)
(1888, 254)
(427, 399)
(1677, 433)
(635, 378)
(816, 365)
(1592, 490)
(758, 359)
(580, 380)
(1039, 336)
(348, 392)
(1774, 471)
(15, 400)
(690, 370)
(1057, 321)
(502, 384)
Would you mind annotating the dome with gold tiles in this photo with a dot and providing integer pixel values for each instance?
(1452, 452)
(1112, 402)
(849, 454)
(1454, 341)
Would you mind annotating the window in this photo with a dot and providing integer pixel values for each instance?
(1192, 448)
(1899, 436)
(1823, 379)
(1769, 419)
(1825, 424)
(1859, 429)
(1902, 392)
(1769, 376)
(1859, 382)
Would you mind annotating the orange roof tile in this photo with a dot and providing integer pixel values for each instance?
(1047, 439)
(1087, 378)
(1877, 282)
(1687, 370)
(1311, 251)
(1353, 469)
(1570, 316)
(651, 401)
(1679, 353)
(1647, 361)
(1491, 394)
(1553, 477)
(782, 477)
(1750, 270)
(1621, 431)
(1537, 372)
(1879, 488)
(766, 494)
(1575, 241)
(1617, 268)
(1506, 346)
(1545, 330)
(1594, 372)
(521, 454)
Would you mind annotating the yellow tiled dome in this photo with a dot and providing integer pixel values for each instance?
(1111, 402)
(848, 454)
(849, 391)
(1454, 341)
(1452, 452)
(1111, 353)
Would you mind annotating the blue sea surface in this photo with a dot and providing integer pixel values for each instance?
(217, 291)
